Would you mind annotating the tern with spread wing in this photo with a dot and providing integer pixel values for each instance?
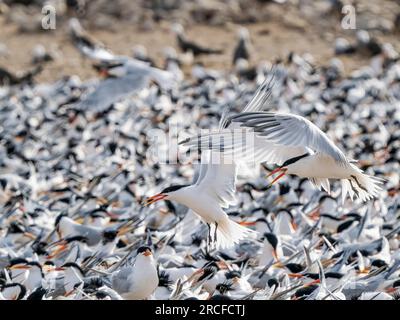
(214, 189)
(295, 144)
(125, 76)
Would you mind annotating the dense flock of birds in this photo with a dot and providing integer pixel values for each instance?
(76, 166)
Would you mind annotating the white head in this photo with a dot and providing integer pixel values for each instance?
(244, 33)
(144, 255)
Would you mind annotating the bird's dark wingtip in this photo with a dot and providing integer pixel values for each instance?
(184, 141)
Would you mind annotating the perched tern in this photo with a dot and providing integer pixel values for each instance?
(139, 281)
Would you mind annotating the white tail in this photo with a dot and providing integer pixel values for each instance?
(363, 186)
(230, 233)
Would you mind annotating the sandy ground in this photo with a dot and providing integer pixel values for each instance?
(271, 40)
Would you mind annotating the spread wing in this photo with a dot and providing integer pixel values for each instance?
(246, 147)
(290, 131)
(257, 103)
(112, 90)
(218, 177)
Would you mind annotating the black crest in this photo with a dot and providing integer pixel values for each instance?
(173, 188)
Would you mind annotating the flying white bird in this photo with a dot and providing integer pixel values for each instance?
(295, 144)
(214, 189)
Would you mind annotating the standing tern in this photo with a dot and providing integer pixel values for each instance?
(187, 46)
(139, 281)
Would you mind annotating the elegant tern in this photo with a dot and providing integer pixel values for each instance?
(296, 145)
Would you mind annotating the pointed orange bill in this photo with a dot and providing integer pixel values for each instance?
(274, 171)
(312, 283)
(56, 252)
(278, 177)
(19, 267)
(153, 199)
(295, 275)
(147, 253)
(314, 215)
(247, 223)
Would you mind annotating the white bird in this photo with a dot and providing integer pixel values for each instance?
(295, 144)
(125, 76)
(139, 281)
(214, 187)
(213, 190)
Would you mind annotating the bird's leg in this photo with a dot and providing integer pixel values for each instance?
(215, 233)
(209, 240)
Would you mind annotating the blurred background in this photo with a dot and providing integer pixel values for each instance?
(143, 27)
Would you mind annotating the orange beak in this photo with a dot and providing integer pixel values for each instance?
(222, 265)
(312, 283)
(124, 230)
(295, 275)
(59, 269)
(283, 172)
(273, 172)
(314, 215)
(104, 73)
(147, 253)
(153, 199)
(19, 267)
(391, 290)
(247, 223)
(61, 248)
(294, 225)
(29, 235)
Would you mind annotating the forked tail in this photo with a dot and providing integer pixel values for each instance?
(230, 233)
(363, 186)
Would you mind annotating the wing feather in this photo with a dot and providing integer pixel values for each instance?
(290, 130)
(219, 180)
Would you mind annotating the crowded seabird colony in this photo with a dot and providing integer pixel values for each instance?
(93, 205)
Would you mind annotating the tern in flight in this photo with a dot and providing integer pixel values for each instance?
(214, 188)
(295, 144)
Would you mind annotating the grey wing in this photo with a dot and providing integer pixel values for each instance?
(112, 90)
(290, 130)
(201, 168)
(246, 148)
(121, 281)
(94, 236)
(262, 95)
(219, 179)
(257, 103)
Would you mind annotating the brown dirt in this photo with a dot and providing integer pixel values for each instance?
(271, 39)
